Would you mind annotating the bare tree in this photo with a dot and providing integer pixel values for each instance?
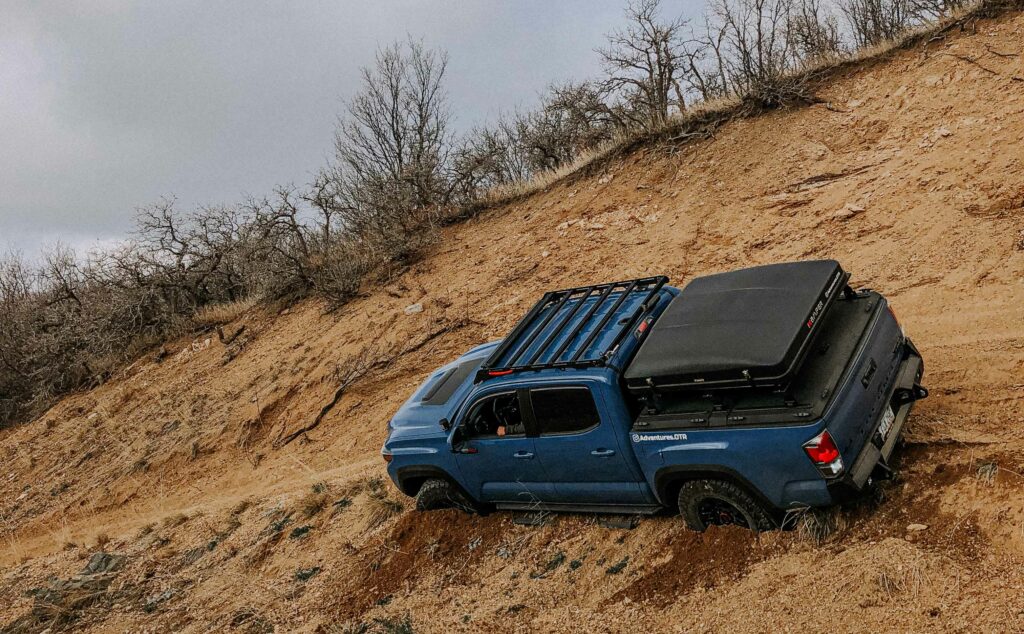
(929, 10)
(814, 31)
(391, 148)
(643, 64)
(873, 22)
(752, 42)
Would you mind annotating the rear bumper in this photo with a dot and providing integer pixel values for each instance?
(906, 389)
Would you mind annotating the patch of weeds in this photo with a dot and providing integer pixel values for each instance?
(617, 568)
(575, 564)
(305, 574)
(396, 625)
(383, 600)
(342, 504)
(192, 555)
(987, 472)
(515, 609)
(817, 525)
(173, 521)
(300, 531)
(153, 602)
(553, 564)
(313, 503)
(320, 487)
(375, 485)
(278, 525)
(252, 620)
(382, 508)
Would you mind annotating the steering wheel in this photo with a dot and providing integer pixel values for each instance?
(503, 414)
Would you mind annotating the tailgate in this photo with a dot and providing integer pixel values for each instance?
(867, 385)
(905, 390)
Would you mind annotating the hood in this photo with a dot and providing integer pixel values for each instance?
(439, 396)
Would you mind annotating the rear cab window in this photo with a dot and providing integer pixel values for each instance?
(564, 410)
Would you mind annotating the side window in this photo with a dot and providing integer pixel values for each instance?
(564, 410)
(495, 417)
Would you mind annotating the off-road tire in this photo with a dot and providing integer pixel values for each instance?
(697, 492)
(436, 493)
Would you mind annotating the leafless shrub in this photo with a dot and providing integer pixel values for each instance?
(753, 42)
(815, 32)
(387, 181)
(873, 22)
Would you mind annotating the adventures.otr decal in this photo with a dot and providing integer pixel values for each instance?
(645, 437)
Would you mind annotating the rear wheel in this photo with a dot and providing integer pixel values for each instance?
(440, 494)
(704, 503)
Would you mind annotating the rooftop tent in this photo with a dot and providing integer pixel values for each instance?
(751, 326)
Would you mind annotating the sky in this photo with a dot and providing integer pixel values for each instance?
(108, 105)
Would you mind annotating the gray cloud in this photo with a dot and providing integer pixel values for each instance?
(109, 105)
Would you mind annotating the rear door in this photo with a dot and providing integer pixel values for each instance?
(580, 451)
(496, 457)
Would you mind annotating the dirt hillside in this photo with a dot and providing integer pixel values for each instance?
(912, 175)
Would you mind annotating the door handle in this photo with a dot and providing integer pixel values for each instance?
(523, 455)
(602, 453)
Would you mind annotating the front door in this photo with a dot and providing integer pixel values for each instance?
(497, 459)
(580, 452)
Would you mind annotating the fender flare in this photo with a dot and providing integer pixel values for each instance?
(407, 476)
(666, 479)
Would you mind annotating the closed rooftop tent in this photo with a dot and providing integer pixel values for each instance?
(753, 326)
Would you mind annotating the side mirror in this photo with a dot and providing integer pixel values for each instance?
(445, 424)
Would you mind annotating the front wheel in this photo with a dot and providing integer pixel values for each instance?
(440, 494)
(704, 503)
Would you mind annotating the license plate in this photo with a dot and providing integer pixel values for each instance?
(887, 420)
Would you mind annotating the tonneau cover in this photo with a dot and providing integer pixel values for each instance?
(751, 326)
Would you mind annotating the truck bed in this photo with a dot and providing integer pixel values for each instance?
(804, 399)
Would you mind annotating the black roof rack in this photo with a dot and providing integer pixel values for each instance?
(530, 345)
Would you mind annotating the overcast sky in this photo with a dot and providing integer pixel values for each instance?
(107, 105)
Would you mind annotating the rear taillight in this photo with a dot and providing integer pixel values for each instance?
(824, 454)
(386, 455)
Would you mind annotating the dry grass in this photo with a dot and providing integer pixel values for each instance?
(380, 508)
(815, 525)
(221, 314)
(313, 502)
(174, 520)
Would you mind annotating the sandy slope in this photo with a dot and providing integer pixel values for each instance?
(912, 176)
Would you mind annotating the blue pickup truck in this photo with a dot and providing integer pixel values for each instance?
(744, 395)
